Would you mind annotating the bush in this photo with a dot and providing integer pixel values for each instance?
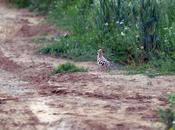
(131, 32)
(167, 116)
(74, 47)
(68, 67)
(165, 65)
(20, 3)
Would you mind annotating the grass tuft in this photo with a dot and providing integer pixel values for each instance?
(171, 98)
(68, 67)
(154, 68)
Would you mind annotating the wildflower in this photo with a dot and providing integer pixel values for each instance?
(117, 22)
(106, 24)
(137, 36)
(126, 28)
(165, 40)
(121, 22)
(166, 28)
(122, 33)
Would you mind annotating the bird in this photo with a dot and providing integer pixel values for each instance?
(102, 61)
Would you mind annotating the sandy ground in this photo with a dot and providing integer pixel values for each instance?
(30, 99)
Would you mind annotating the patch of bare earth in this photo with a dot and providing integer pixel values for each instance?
(31, 99)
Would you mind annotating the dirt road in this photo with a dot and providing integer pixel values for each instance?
(30, 99)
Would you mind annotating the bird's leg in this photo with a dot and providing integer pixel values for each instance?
(104, 68)
(101, 68)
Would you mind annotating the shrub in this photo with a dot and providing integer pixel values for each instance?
(131, 32)
(74, 47)
(167, 116)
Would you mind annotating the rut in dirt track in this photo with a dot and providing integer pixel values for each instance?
(30, 99)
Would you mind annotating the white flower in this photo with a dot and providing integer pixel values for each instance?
(165, 40)
(121, 22)
(65, 34)
(106, 24)
(122, 33)
(126, 28)
(166, 28)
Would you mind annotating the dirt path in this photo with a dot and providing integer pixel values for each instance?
(30, 99)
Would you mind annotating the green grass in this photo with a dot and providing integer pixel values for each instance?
(20, 3)
(93, 26)
(168, 115)
(67, 68)
(79, 48)
(74, 48)
(86, 37)
(154, 68)
(44, 40)
(171, 98)
(142, 69)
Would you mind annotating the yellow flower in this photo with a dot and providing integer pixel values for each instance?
(171, 129)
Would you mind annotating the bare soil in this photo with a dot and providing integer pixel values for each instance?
(31, 99)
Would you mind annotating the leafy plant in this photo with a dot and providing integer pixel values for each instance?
(171, 98)
(167, 116)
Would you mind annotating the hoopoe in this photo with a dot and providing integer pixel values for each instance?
(102, 61)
